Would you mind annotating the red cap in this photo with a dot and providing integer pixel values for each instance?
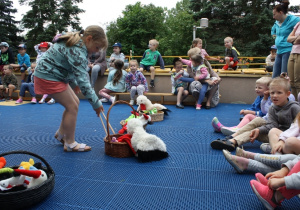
(43, 44)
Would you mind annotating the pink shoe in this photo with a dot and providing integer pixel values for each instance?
(198, 106)
(216, 124)
(19, 101)
(261, 178)
(33, 101)
(264, 194)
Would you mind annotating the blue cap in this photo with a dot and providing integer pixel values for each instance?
(4, 44)
(273, 47)
(22, 46)
(117, 44)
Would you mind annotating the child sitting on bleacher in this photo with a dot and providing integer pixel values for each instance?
(261, 87)
(231, 55)
(135, 81)
(179, 88)
(23, 61)
(117, 55)
(28, 85)
(115, 82)
(40, 50)
(149, 59)
(9, 83)
(270, 60)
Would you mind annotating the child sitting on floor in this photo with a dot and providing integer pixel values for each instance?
(280, 115)
(179, 88)
(9, 83)
(115, 82)
(28, 85)
(135, 81)
(255, 110)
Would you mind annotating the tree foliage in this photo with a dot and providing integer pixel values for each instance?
(48, 17)
(9, 31)
(248, 22)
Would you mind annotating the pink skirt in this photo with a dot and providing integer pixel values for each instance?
(42, 86)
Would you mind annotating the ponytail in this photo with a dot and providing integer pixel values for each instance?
(118, 66)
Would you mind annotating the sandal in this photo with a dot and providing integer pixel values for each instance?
(71, 147)
(59, 137)
(221, 144)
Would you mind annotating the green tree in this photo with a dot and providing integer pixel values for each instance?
(139, 24)
(47, 17)
(248, 22)
(8, 25)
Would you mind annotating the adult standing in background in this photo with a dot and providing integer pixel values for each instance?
(281, 29)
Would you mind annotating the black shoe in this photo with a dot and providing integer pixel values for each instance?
(223, 144)
(207, 107)
(152, 83)
(180, 106)
(235, 68)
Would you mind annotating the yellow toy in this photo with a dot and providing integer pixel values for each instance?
(27, 165)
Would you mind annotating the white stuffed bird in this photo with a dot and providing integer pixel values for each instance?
(146, 105)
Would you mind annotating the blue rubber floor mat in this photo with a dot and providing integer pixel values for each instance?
(194, 176)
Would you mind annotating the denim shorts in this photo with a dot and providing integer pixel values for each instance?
(145, 67)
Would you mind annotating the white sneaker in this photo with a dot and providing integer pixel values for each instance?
(112, 99)
(52, 101)
(42, 101)
(266, 147)
(103, 100)
(131, 102)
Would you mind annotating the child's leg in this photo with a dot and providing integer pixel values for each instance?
(246, 119)
(291, 146)
(227, 63)
(202, 93)
(289, 193)
(11, 89)
(255, 123)
(186, 79)
(132, 92)
(140, 89)
(43, 99)
(152, 76)
(22, 69)
(179, 94)
(274, 136)
(70, 102)
(272, 161)
(94, 74)
(105, 93)
(31, 90)
(184, 95)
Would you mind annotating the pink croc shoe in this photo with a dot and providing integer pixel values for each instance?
(33, 101)
(264, 194)
(261, 178)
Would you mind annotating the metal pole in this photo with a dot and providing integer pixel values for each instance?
(194, 32)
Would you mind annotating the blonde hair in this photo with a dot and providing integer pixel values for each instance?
(154, 41)
(97, 33)
(281, 82)
(194, 51)
(195, 42)
(264, 81)
(134, 61)
(197, 59)
(229, 39)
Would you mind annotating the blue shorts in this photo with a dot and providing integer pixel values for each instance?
(145, 67)
(23, 69)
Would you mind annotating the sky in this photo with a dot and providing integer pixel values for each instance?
(101, 12)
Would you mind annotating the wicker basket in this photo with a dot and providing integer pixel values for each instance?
(116, 149)
(31, 196)
(159, 116)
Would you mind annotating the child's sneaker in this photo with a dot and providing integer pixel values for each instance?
(52, 101)
(42, 101)
(152, 83)
(33, 101)
(112, 99)
(103, 100)
(2, 98)
(216, 124)
(261, 178)
(131, 102)
(264, 194)
(19, 101)
(9, 99)
(198, 106)
(266, 148)
(225, 67)
(228, 131)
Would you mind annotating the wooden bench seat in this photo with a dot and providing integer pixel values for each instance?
(162, 95)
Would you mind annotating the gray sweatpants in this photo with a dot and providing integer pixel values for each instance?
(265, 163)
(140, 89)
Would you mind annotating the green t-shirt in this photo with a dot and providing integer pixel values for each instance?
(150, 58)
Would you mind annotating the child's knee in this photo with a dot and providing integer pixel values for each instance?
(152, 69)
(291, 143)
(227, 58)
